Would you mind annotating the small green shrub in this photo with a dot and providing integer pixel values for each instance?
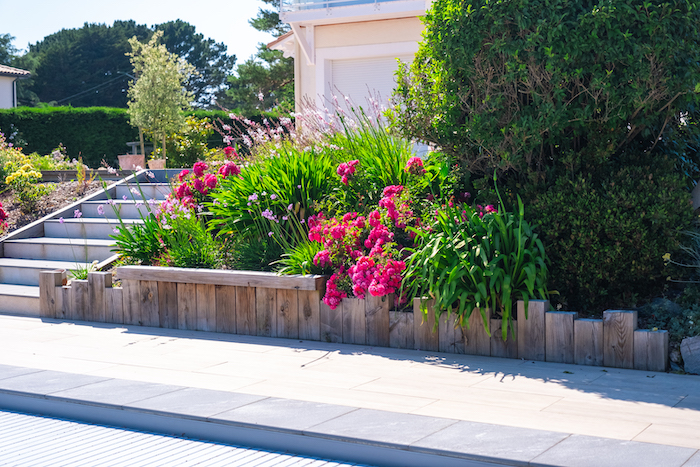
(25, 185)
(607, 233)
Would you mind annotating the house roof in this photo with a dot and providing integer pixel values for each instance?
(285, 43)
(10, 71)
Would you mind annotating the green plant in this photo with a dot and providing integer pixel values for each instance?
(607, 232)
(300, 260)
(288, 176)
(515, 86)
(190, 144)
(252, 253)
(471, 259)
(189, 245)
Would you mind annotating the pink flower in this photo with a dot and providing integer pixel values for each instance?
(183, 191)
(414, 166)
(229, 151)
(229, 168)
(198, 185)
(100, 210)
(181, 176)
(210, 180)
(199, 168)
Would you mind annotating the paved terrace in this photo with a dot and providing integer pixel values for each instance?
(464, 408)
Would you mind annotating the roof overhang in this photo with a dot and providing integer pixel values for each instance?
(357, 13)
(285, 43)
(14, 72)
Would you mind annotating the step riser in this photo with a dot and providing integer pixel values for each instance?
(149, 192)
(23, 306)
(79, 230)
(126, 211)
(73, 252)
(19, 276)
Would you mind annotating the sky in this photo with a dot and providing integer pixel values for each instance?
(223, 21)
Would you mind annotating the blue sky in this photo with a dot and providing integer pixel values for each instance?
(224, 21)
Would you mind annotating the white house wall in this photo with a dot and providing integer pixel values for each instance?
(372, 39)
(6, 92)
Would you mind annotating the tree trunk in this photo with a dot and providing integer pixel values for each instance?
(164, 158)
(143, 149)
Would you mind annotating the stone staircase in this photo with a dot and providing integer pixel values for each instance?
(50, 243)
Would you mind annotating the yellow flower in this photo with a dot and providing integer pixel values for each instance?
(667, 257)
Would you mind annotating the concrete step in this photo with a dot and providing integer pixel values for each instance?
(129, 209)
(143, 191)
(19, 299)
(26, 271)
(84, 227)
(59, 249)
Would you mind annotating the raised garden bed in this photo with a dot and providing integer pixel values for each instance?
(266, 304)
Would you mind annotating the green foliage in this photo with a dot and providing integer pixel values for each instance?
(87, 66)
(518, 85)
(300, 260)
(190, 144)
(288, 175)
(189, 245)
(469, 260)
(96, 133)
(209, 58)
(607, 232)
(140, 243)
(253, 254)
(267, 73)
(7, 50)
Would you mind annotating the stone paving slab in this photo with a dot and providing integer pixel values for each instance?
(347, 381)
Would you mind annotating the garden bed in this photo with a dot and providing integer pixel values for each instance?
(266, 304)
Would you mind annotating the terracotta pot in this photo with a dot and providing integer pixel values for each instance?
(156, 164)
(131, 161)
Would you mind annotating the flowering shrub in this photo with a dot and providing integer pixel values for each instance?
(3, 222)
(25, 184)
(363, 251)
(194, 186)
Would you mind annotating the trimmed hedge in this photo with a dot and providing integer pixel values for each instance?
(95, 133)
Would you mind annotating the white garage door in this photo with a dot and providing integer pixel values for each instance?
(363, 78)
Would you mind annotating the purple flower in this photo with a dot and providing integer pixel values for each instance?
(267, 214)
(270, 234)
(134, 191)
(151, 175)
(77, 214)
(253, 197)
(289, 208)
(60, 220)
(273, 196)
(299, 186)
(124, 197)
(116, 231)
(100, 210)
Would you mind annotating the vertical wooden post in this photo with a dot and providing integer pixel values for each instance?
(115, 310)
(499, 347)
(66, 302)
(588, 342)
(167, 305)
(331, 322)
(476, 339)
(531, 330)
(226, 309)
(132, 301)
(377, 320)
(246, 321)
(206, 307)
(287, 312)
(149, 304)
(424, 336)
(401, 330)
(265, 311)
(618, 338)
(354, 321)
(80, 299)
(48, 283)
(650, 350)
(309, 315)
(187, 306)
(98, 282)
(559, 336)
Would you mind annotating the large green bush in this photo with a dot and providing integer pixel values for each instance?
(515, 85)
(607, 231)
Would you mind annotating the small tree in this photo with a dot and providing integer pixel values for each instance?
(157, 97)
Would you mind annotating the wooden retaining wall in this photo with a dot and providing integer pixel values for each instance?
(264, 304)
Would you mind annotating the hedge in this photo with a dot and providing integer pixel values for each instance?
(94, 133)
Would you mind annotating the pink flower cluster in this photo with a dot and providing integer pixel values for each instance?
(333, 294)
(347, 170)
(365, 247)
(414, 166)
(195, 184)
(485, 209)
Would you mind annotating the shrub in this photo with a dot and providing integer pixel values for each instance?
(518, 85)
(607, 232)
(25, 185)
